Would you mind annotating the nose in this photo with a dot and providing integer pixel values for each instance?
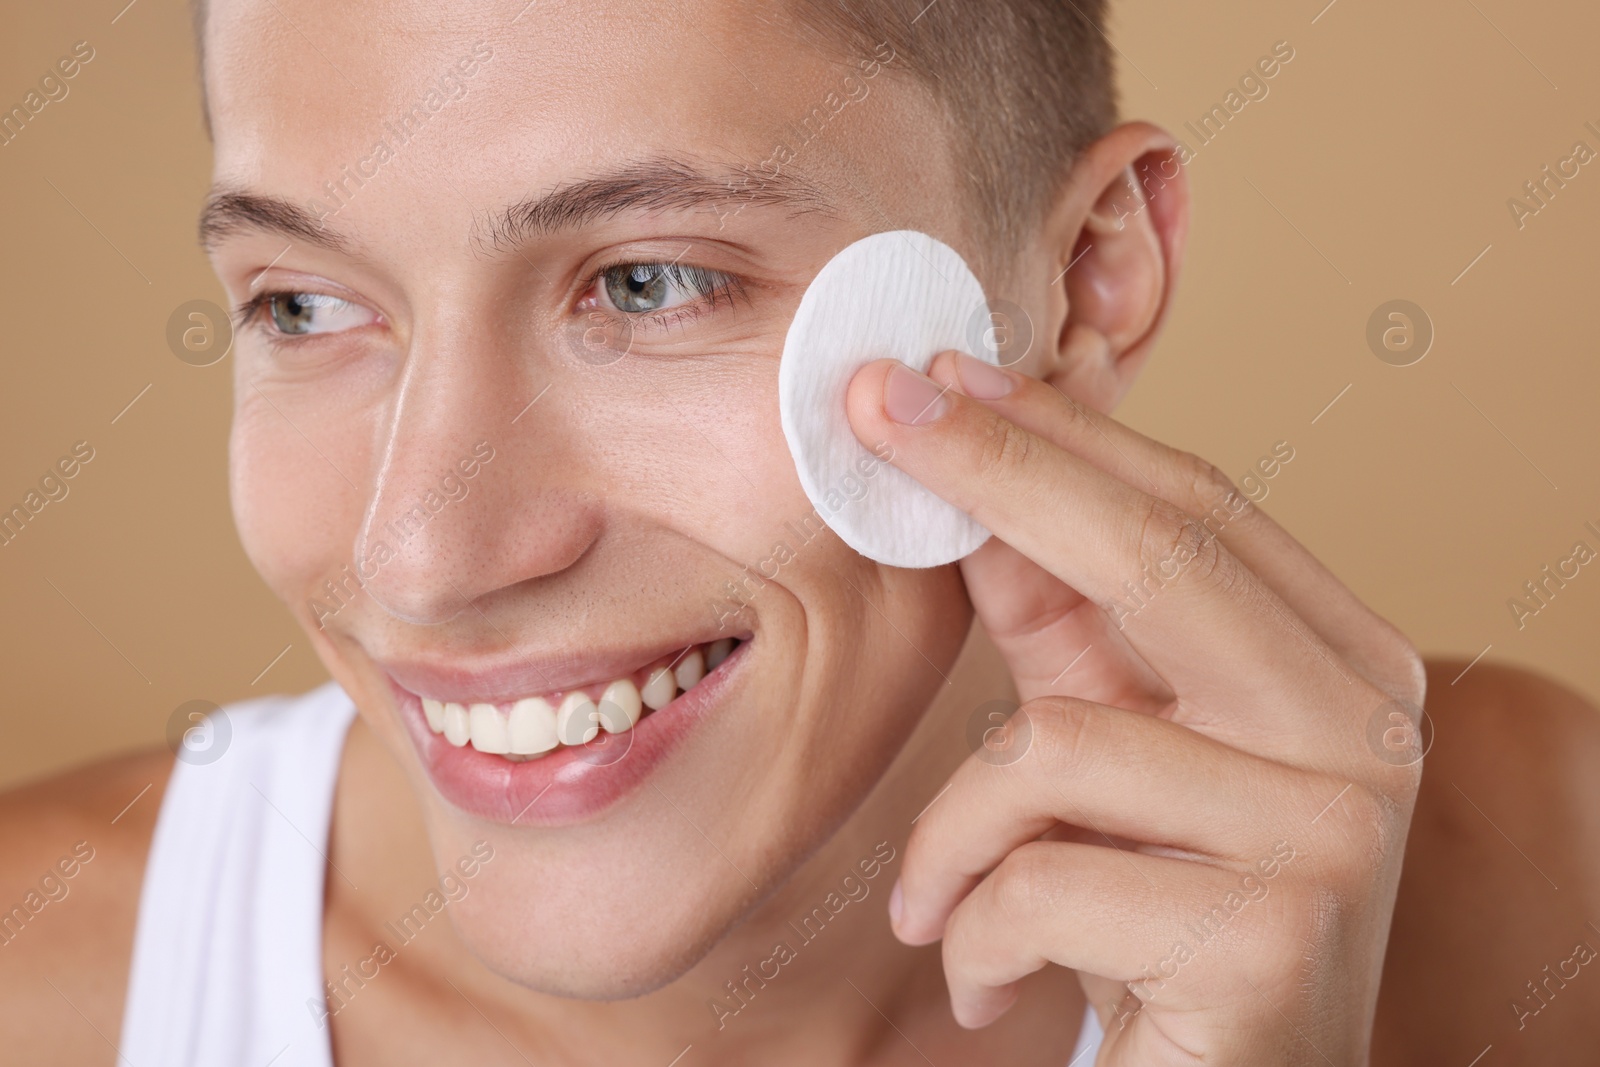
(469, 495)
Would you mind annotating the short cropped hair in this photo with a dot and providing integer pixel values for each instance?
(1027, 85)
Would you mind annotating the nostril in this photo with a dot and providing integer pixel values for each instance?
(421, 609)
(418, 607)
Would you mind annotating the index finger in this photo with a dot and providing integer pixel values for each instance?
(1359, 635)
(1185, 603)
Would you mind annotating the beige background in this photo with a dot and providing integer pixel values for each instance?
(1378, 167)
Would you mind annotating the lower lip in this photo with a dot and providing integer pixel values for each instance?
(572, 784)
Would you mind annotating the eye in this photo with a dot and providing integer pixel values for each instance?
(313, 313)
(640, 288)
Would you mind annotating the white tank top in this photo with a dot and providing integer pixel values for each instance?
(227, 953)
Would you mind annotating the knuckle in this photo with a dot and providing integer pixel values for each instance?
(1064, 733)
(1285, 923)
(1029, 883)
(1358, 836)
(1005, 447)
(1372, 814)
(1402, 783)
(1391, 661)
(1172, 543)
(1407, 673)
(1205, 485)
(1300, 921)
(971, 947)
(1161, 527)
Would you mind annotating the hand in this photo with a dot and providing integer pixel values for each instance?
(1198, 825)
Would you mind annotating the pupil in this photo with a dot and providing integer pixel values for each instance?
(291, 314)
(638, 288)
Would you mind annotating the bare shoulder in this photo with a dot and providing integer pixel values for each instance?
(1494, 940)
(72, 858)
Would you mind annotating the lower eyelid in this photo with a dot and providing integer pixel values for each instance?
(674, 316)
(707, 302)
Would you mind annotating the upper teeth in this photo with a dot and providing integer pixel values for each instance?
(659, 690)
(690, 669)
(620, 706)
(531, 727)
(577, 719)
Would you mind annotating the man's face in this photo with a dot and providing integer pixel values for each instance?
(499, 455)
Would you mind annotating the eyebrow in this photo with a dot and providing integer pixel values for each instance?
(656, 184)
(229, 211)
(663, 184)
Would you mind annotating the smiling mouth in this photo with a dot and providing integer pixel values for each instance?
(539, 724)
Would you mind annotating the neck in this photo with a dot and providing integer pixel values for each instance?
(812, 975)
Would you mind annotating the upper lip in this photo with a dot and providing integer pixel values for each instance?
(511, 674)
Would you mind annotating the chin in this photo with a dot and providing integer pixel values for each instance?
(592, 956)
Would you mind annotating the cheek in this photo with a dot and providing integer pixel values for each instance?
(706, 456)
(695, 445)
(296, 515)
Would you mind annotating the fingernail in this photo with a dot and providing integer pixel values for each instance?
(897, 904)
(980, 380)
(913, 398)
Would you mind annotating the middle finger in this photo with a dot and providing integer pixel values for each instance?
(1118, 773)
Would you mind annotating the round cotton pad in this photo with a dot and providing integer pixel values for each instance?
(896, 295)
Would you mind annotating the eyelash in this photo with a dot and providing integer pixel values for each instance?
(251, 314)
(246, 313)
(701, 281)
(709, 286)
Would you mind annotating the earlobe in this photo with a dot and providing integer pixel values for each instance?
(1088, 369)
(1125, 214)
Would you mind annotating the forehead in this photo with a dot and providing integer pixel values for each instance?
(501, 95)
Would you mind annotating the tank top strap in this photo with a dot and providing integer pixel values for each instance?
(1087, 1049)
(227, 954)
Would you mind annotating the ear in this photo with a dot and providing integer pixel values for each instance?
(1116, 236)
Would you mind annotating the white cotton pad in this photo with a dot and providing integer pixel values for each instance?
(897, 295)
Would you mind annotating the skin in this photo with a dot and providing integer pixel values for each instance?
(617, 506)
